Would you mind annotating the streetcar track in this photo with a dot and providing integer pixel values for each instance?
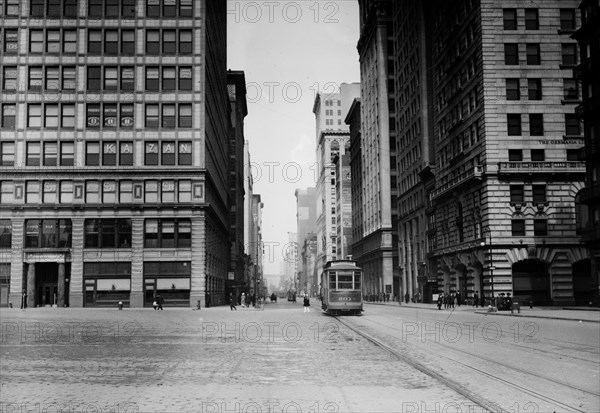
(523, 371)
(482, 402)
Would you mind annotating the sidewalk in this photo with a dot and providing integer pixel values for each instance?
(588, 314)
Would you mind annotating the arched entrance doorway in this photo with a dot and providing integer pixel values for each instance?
(582, 282)
(531, 282)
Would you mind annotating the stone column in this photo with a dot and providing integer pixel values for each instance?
(61, 284)
(31, 285)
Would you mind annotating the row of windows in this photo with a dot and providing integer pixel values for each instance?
(114, 42)
(540, 227)
(99, 8)
(539, 155)
(536, 124)
(107, 115)
(534, 89)
(568, 19)
(108, 192)
(533, 54)
(107, 233)
(165, 78)
(107, 153)
(48, 233)
(538, 194)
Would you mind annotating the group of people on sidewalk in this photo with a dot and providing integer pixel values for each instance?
(245, 300)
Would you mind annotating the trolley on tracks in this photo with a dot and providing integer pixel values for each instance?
(341, 287)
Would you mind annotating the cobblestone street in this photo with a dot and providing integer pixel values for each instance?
(213, 360)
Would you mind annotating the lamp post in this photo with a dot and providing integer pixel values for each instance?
(491, 266)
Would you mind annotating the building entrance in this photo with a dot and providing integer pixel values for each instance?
(46, 284)
(531, 282)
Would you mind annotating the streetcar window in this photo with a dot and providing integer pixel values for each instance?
(332, 285)
(357, 280)
(345, 282)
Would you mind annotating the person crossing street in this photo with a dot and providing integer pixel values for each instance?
(306, 304)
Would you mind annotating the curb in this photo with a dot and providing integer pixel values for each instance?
(538, 316)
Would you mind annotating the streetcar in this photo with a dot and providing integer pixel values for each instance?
(341, 288)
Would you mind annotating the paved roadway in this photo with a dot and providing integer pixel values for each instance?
(282, 360)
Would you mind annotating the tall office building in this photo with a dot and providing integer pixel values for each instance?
(115, 151)
(306, 218)
(502, 210)
(332, 140)
(585, 289)
(375, 248)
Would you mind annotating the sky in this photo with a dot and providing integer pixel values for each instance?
(288, 50)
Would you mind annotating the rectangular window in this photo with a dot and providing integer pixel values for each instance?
(151, 191)
(168, 153)
(185, 153)
(514, 124)
(111, 41)
(532, 19)
(170, 8)
(36, 8)
(32, 192)
(112, 8)
(109, 192)
(34, 115)
(51, 116)
(511, 54)
(93, 115)
(185, 78)
(11, 40)
(152, 8)
(128, 8)
(70, 8)
(35, 78)
(69, 78)
(36, 41)
(126, 115)
(69, 41)
(570, 89)
(94, 41)
(52, 78)
(8, 119)
(185, 42)
(572, 125)
(510, 19)
(168, 191)
(168, 115)
(7, 190)
(517, 194)
(533, 54)
(513, 89)
(151, 153)
(95, 8)
(126, 192)
(94, 77)
(153, 41)
(185, 8)
(33, 154)
(92, 192)
(515, 155)
(539, 194)
(109, 153)
(534, 88)
(152, 116)
(67, 119)
(152, 78)
(168, 78)
(9, 78)
(536, 124)
(67, 153)
(538, 155)
(111, 78)
(127, 78)
(151, 233)
(50, 192)
(572, 155)
(7, 154)
(50, 153)
(109, 117)
(518, 227)
(128, 42)
(567, 19)
(66, 192)
(169, 43)
(185, 191)
(185, 115)
(53, 41)
(92, 154)
(569, 54)
(540, 227)
(126, 153)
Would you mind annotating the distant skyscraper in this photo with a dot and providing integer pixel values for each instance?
(332, 141)
(114, 146)
(306, 218)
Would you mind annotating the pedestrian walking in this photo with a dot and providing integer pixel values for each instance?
(24, 300)
(160, 301)
(306, 304)
(475, 300)
(243, 300)
(232, 302)
(439, 301)
(458, 298)
(207, 300)
(155, 304)
(407, 297)
(294, 298)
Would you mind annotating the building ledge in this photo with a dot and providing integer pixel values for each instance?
(470, 175)
(515, 168)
